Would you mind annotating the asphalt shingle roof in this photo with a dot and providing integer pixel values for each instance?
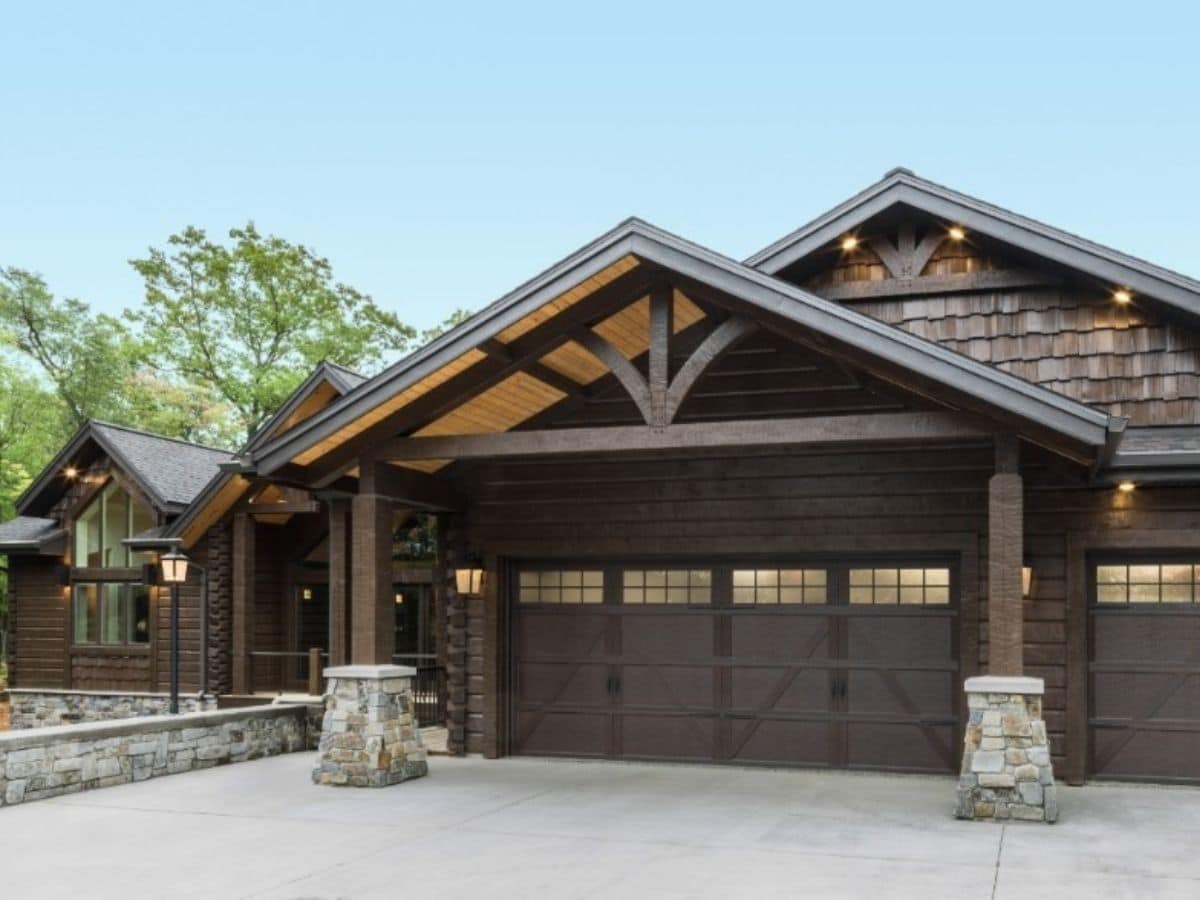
(174, 470)
(26, 530)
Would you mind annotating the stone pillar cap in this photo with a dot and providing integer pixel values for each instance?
(1005, 684)
(373, 673)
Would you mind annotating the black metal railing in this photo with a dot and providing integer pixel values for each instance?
(429, 687)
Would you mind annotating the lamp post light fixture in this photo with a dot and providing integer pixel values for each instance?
(174, 572)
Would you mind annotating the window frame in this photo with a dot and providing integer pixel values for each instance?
(1143, 558)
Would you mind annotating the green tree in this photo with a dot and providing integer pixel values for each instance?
(250, 319)
(88, 358)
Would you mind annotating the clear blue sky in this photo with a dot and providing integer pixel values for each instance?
(439, 154)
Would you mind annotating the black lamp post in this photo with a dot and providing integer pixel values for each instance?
(174, 573)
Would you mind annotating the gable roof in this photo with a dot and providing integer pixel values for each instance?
(901, 186)
(763, 293)
(229, 484)
(171, 471)
(340, 379)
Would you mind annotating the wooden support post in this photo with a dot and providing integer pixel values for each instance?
(371, 580)
(662, 303)
(243, 601)
(339, 581)
(314, 671)
(1006, 542)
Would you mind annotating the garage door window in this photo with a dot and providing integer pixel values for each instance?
(921, 587)
(774, 586)
(562, 586)
(646, 586)
(1146, 583)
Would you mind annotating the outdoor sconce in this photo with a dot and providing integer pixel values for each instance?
(1026, 581)
(174, 567)
(469, 582)
(62, 574)
(399, 598)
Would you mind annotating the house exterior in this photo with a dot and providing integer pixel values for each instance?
(771, 512)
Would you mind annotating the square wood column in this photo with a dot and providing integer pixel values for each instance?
(1006, 550)
(371, 613)
(243, 601)
(339, 581)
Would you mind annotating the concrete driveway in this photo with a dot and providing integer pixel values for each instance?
(531, 829)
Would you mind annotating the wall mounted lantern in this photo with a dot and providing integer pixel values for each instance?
(469, 581)
(1026, 581)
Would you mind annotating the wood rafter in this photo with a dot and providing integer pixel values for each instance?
(659, 397)
(517, 356)
(814, 430)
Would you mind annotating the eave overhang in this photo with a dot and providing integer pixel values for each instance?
(902, 187)
(762, 294)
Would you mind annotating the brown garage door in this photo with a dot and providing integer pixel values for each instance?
(814, 663)
(1145, 670)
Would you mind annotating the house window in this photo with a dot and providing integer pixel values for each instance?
(773, 586)
(919, 587)
(100, 529)
(111, 613)
(1147, 583)
(642, 586)
(562, 586)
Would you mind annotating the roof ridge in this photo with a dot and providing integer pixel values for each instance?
(142, 432)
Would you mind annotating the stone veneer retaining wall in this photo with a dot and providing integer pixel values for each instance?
(41, 708)
(47, 762)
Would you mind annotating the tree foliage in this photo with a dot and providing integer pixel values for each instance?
(252, 318)
(227, 331)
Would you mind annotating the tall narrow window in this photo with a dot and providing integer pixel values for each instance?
(110, 612)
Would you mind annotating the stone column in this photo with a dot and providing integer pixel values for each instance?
(369, 735)
(1006, 770)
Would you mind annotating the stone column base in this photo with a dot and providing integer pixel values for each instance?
(369, 737)
(1006, 771)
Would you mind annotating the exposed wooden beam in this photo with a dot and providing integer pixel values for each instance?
(884, 428)
(407, 486)
(281, 509)
(888, 254)
(924, 251)
(718, 341)
(1000, 279)
(622, 369)
(662, 303)
(485, 374)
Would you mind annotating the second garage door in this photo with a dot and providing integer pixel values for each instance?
(844, 664)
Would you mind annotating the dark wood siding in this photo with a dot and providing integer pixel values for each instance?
(1122, 359)
(748, 503)
(39, 625)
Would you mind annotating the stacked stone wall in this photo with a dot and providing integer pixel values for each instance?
(50, 762)
(50, 708)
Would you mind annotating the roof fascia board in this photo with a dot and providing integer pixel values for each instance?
(1037, 404)
(511, 308)
(1034, 237)
(55, 465)
(652, 245)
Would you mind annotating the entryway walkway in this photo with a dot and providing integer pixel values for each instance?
(530, 828)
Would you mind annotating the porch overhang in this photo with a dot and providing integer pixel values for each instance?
(517, 332)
